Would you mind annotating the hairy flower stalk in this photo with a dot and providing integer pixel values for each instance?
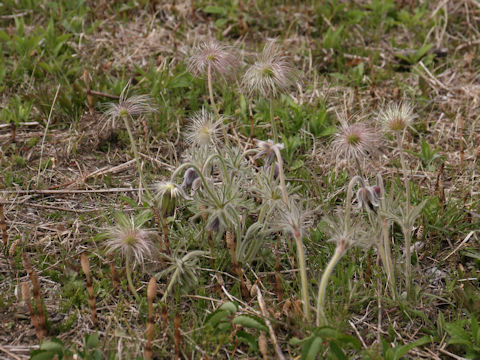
(385, 241)
(340, 250)
(407, 232)
(397, 118)
(292, 220)
(126, 109)
(345, 238)
(216, 60)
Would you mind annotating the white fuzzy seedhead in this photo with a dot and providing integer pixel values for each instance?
(129, 240)
(396, 117)
(271, 74)
(354, 141)
(218, 57)
(133, 106)
(205, 128)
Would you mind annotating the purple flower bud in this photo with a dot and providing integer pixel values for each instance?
(214, 225)
(368, 197)
(189, 177)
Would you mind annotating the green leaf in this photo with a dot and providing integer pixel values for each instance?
(312, 348)
(215, 317)
(337, 351)
(248, 339)
(328, 131)
(229, 306)
(250, 322)
(44, 355)
(53, 345)
(91, 341)
(399, 351)
(214, 10)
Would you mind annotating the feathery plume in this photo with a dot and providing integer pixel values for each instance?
(271, 74)
(218, 57)
(396, 116)
(354, 141)
(129, 239)
(133, 106)
(204, 129)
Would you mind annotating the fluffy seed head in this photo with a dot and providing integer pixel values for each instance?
(129, 239)
(133, 106)
(271, 74)
(212, 54)
(396, 116)
(294, 219)
(354, 141)
(204, 129)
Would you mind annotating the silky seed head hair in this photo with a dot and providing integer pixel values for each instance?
(271, 74)
(396, 117)
(205, 128)
(354, 141)
(218, 57)
(129, 240)
(133, 106)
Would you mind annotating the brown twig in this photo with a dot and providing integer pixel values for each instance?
(3, 226)
(41, 318)
(178, 336)
(91, 298)
(33, 317)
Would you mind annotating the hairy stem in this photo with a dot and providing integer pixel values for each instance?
(281, 175)
(407, 233)
(348, 202)
(210, 89)
(272, 122)
(173, 280)
(322, 289)
(129, 279)
(303, 277)
(134, 148)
